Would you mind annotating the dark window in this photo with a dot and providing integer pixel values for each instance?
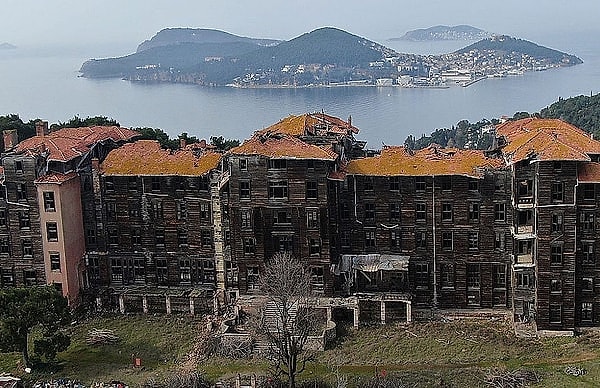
(136, 236)
(249, 245)
(27, 247)
(446, 212)
(19, 166)
(420, 212)
(49, 205)
(446, 182)
(3, 217)
(394, 211)
(90, 236)
(369, 238)
(557, 191)
(109, 184)
(282, 217)
(8, 277)
(232, 273)
(203, 183)
(589, 191)
(111, 211)
(555, 314)
(316, 276)
(422, 275)
(246, 218)
(499, 182)
(159, 237)
(524, 247)
(134, 209)
(586, 312)
(21, 191)
(311, 190)
(395, 183)
(155, 183)
(420, 183)
(54, 262)
(277, 164)
(556, 255)
(5, 244)
(206, 237)
(113, 236)
(52, 231)
(345, 239)
(278, 189)
(312, 218)
(555, 286)
(310, 164)
(447, 275)
(447, 241)
(525, 280)
(369, 211)
(587, 221)
(473, 185)
(252, 275)
(182, 210)
(132, 184)
(557, 165)
(284, 243)
(243, 164)
(157, 209)
(587, 284)
(185, 270)
(314, 246)
(180, 183)
(421, 239)
(473, 211)
(368, 183)
(162, 271)
(525, 188)
(473, 240)
(499, 212)
(182, 237)
(29, 277)
(557, 222)
(204, 211)
(499, 276)
(395, 241)
(587, 248)
(24, 221)
(473, 276)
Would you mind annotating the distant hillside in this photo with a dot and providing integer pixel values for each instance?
(581, 111)
(504, 43)
(461, 32)
(7, 46)
(174, 36)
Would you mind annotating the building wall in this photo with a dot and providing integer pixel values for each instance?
(69, 244)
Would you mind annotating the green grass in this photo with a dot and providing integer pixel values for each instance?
(459, 353)
(161, 342)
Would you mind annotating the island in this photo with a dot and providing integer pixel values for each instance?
(325, 57)
(7, 46)
(436, 33)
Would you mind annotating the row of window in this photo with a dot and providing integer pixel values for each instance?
(278, 189)
(156, 209)
(283, 243)
(114, 237)
(157, 183)
(281, 217)
(190, 271)
(447, 276)
(8, 278)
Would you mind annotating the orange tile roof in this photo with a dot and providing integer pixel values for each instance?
(545, 140)
(56, 177)
(310, 124)
(430, 161)
(146, 157)
(69, 143)
(588, 172)
(282, 147)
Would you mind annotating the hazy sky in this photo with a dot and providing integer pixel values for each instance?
(128, 22)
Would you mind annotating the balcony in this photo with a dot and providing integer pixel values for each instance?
(524, 229)
(524, 258)
(525, 202)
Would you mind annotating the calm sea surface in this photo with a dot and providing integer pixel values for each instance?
(36, 84)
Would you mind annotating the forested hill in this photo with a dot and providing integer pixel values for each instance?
(581, 111)
(175, 36)
(509, 44)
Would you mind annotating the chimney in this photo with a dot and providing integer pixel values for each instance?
(95, 164)
(182, 143)
(203, 143)
(41, 128)
(350, 120)
(11, 138)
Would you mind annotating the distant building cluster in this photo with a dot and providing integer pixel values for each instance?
(128, 226)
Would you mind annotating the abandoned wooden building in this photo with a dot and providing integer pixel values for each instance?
(134, 227)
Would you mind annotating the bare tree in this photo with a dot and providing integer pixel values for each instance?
(287, 317)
